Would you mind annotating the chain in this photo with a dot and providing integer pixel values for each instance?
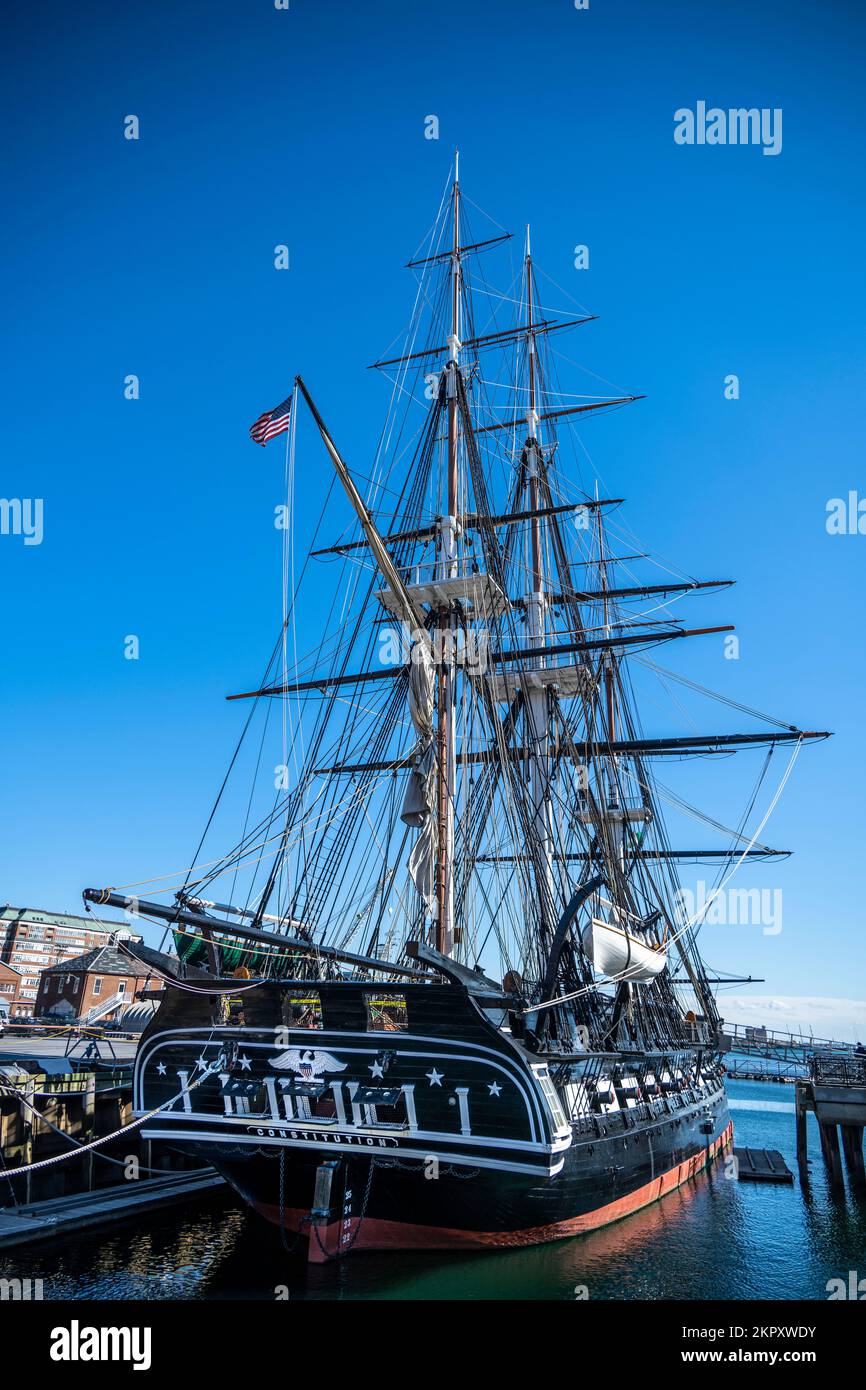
(289, 1249)
(357, 1229)
(374, 1163)
(447, 1171)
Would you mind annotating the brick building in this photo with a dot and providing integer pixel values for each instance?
(103, 981)
(10, 983)
(33, 940)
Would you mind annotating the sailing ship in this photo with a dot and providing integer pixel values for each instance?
(442, 992)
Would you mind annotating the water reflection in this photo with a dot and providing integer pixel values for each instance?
(712, 1239)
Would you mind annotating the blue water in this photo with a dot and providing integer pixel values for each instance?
(714, 1238)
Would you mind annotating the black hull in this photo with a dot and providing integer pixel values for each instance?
(399, 1208)
(446, 1135)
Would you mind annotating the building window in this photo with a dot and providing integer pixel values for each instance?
(97, 986)
(121, 988)
(386, 1013)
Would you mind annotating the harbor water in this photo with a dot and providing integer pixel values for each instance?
(715, 1238)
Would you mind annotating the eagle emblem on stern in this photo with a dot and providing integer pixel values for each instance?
(309, 1063)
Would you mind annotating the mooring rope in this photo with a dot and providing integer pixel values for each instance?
(106, 1138)
(78, 1144)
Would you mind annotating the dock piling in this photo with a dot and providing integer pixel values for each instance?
(852, 1147)
(800, 1108)
(832, 1155)
(88, 1125)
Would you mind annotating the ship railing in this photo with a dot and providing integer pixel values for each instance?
(657, 1085)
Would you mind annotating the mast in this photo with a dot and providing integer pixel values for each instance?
(447, 569)
(610, 800)
(535, 602)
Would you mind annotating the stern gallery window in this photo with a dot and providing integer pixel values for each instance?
(386, 1013)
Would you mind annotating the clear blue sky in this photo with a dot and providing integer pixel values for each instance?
(155, 257)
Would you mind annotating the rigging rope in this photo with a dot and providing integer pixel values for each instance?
(692, 921)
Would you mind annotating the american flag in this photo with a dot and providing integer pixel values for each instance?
(273, 422)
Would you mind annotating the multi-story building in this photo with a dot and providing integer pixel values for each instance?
(33, 940)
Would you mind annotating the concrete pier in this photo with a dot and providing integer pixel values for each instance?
(835, 1091)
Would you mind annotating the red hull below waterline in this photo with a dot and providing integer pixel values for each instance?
(331, 1240)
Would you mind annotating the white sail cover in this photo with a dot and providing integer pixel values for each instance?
(419, 799)
(619, 954)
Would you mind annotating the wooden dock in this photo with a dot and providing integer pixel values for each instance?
(49, 1219)
(762, 1165)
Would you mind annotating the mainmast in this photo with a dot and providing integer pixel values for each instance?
(447, 569)
(535, 608)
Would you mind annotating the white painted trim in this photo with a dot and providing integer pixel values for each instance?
(518, 1078)
(434, 1135)
(461, 1160)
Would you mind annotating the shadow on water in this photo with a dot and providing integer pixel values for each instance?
(714, 1238)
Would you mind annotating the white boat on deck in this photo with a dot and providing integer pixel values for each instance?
(615, 952)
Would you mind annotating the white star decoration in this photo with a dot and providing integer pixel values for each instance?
(160, 1067)
(202, 1062)
(494, 1088)
(376, 1068)
(435, 1077)
(245, 1062)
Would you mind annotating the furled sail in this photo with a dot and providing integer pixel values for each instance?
(419, 799)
